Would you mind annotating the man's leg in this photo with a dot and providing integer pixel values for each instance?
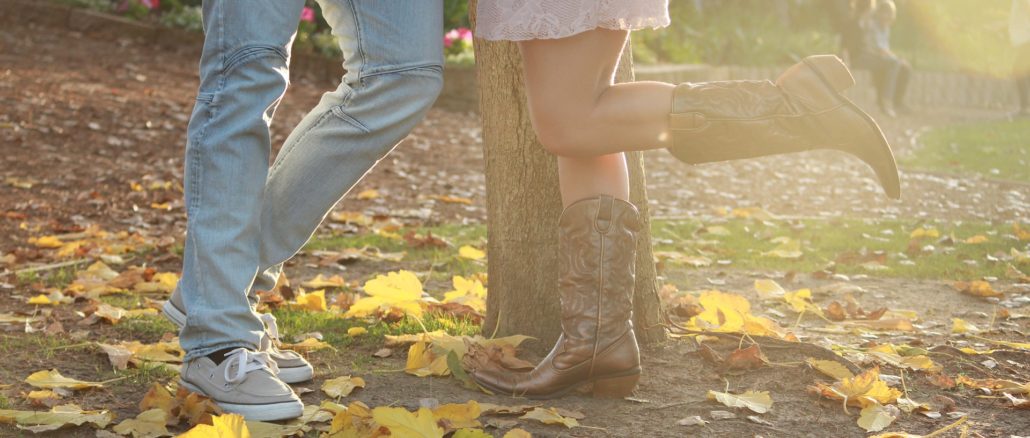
(243, 77)
(393, 55)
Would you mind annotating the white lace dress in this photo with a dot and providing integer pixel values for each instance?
(517, 20)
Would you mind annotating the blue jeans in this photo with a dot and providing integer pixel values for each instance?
(246, 218)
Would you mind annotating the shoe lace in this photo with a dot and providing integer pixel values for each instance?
(246, 362)
(270, 326)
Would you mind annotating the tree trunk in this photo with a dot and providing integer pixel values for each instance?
(524, 204)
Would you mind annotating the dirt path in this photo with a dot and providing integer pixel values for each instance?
(83, 120)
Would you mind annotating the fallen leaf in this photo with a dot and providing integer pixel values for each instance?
(875, 418)
(862, 390)
(454, 416)
(404, 424)
(53, 379)
(368, 194)
(322, 282)
(148, 424)
(769, 289)
(222, 426)
(959, 326)
(342, 386)
(977, 289)
(471, 253)
(356, 331)
(692, 421)
(756, 401)
(550, 416)
(313, 302)
(399, 290)
(56, 418)
(830, 368)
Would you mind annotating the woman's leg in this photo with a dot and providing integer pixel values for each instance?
(576, 108)
(583, 117)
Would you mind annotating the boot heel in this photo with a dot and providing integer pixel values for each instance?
(616, 387)
(832, 71)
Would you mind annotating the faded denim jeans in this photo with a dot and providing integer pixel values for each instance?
(246, 218)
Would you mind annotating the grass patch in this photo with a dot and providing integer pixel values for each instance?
(125, 301)
(844, 241)
(334, 328)
(439, 264)
(992, 149)
(150, 328)
(45, 346)
(145, 374)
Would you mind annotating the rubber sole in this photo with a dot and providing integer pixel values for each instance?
(257, 412)
(562, 392)
(286, 374)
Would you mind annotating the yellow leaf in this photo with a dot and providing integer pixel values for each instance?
(420, 360)
(368, 194)
(222, 426)
(161, 206)
(977, 239)
(471, 433)
(342, 386)
(322, 282)
(920, 233)
(46, 242)
(161, 282)
(350, 217)
(404, 424)
(53, 379)
(458, 415)
(801, 301)
(467, 291)
(978, 289)
(41, 300)
(158, 397)
(314, 301)
(1020, 233)
(401, 290)
(471, 253)
(148, 424)
(874, 418)
(757, 401)
(769, 289)
(959, 326)
(550, 416)
(307, 345)
(862, 390)
(356, 331)
(787, 249)
(831, 368)
(56, 418)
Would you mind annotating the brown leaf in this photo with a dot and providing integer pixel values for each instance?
(835, 312)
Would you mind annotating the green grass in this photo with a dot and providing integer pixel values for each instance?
(44, 346)
(125, 301)
(823, 242)
(145, 374)
(993, 149)
(334, 328)
(439, 263)
(145, 327)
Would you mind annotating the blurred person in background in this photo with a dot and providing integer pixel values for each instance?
(1019, 34)
(891, 74)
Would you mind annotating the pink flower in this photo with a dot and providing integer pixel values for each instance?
(450, 37)
(465, 34)
(151, 4)
(307, 14)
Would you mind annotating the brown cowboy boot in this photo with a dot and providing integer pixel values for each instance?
(803, 110)
(597, 249)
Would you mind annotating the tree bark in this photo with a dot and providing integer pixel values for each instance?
(524, 204)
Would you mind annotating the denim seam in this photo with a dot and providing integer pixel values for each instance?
(431, 67)
(342, 115)
(249, 53)
(358, 38)
(286, 152)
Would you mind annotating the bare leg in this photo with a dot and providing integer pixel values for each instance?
(580, 115)
(576, 108)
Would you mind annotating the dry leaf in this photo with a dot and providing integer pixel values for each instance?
(830, 368)
(56, 418)
(471, 253)
(756, 401)
(148, 424)
(53, 379)
(342, 386)
(550, 416)
(222, 426)
(875, 418)
(404, 424)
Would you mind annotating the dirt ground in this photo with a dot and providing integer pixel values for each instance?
(83, 119)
